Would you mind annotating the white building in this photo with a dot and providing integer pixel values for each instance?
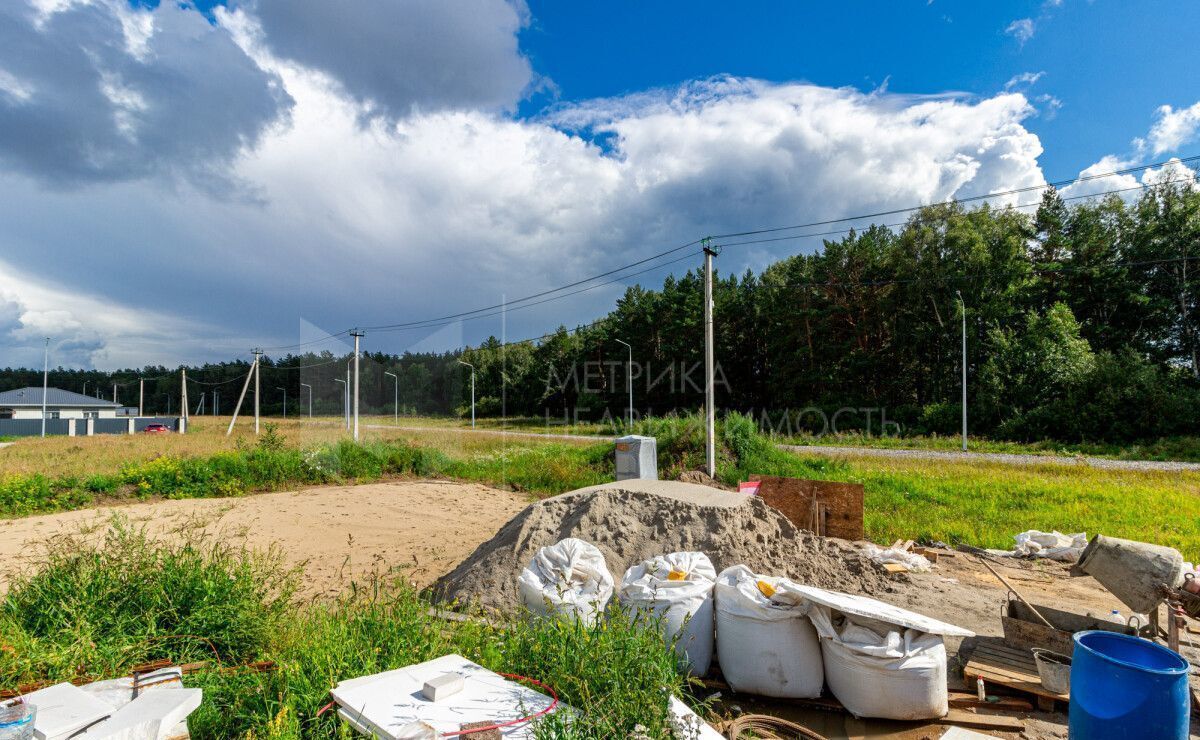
(26, 403)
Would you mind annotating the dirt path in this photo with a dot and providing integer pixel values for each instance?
(419, 528)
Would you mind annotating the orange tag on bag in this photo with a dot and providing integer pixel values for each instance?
(767, 589)
(677, 575)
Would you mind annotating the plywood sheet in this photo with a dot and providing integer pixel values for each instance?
(796, 498)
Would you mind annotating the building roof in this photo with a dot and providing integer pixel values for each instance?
(55, 397)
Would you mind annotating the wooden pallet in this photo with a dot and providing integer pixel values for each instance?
(999, 663)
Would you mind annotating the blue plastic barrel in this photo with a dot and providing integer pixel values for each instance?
(1126, 687)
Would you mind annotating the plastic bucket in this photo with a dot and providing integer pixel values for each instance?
(1127, 687)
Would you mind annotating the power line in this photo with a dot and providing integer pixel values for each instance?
(509, 305)
(904, 223)
(545, 300)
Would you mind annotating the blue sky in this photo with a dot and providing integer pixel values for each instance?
(179, 183)
(1110, 64)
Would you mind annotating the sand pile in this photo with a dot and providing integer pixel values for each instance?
(630, 521)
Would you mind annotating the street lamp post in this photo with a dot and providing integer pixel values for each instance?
(963, 306)
(629, 376)
(472, 390)
(309, 387)
(395, 396)
(278, 388)
(345, 399)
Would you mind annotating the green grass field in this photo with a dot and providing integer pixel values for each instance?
(980, 503)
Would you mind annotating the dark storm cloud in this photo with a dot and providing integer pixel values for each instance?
(81, 104)
(406, 55)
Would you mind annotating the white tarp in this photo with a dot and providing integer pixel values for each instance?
(569, 579)
(678, 589)
(1054, 545)
(864, 606)
(765, 645)
(390, 705)
(909, 560)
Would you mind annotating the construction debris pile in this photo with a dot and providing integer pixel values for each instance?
(632, 521)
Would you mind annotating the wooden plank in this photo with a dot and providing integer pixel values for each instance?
(895, 568)
(803, 501)
(965, 718)
(968, 700)
(1024, 682)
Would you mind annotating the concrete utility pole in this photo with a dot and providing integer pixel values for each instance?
(357, 335)
(141, 396)
(183, 403)
(114, 392)
(963, 306)
(280, 388)
(395, 397)
(629, 375)
(85, 387)
(710, 411)
(472, 390)
(242, 397)
(257, 386)
(216, 403)
(309, 387)
(345, 398)
(45, 382)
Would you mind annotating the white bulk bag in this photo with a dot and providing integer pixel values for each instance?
(765, 645)
(678, 589)
(569, 579)
(881, 660)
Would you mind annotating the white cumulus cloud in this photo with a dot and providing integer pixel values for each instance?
(363, 219)
(1174, 128)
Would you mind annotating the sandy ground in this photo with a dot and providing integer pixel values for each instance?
(419, 528)
(423, 529)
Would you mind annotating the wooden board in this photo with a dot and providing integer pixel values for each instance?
(798, 498)
(1001, 664)
(957, 715)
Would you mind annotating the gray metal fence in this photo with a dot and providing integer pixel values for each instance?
(33, 427)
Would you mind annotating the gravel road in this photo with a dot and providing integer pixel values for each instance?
(994, 457)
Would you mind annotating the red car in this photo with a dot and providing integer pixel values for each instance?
(156, 429)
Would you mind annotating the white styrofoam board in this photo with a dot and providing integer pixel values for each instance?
(117, 692)
(64, 709)
(864, 606)
(385, 702)
(148, 717)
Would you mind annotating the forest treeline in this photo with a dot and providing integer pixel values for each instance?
(1081, 325)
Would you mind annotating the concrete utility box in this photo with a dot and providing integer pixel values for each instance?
(637, 457)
